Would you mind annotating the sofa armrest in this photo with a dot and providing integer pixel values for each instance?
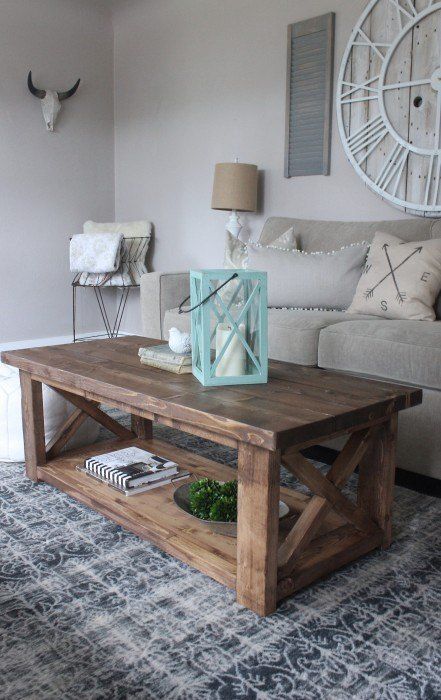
(161, 291)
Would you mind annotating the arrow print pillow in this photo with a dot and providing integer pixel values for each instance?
(400, 280)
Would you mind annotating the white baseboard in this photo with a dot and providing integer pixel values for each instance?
(41, 342)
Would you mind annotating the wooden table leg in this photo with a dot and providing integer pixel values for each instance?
(258, 527)
(33, 424)
(377, 477)
(142, 427)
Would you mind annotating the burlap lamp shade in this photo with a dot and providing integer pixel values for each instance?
(235, 187)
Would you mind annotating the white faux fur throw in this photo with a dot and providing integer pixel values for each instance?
(95, 252)
(129, 229)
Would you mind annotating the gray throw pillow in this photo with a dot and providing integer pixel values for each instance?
(310, 280)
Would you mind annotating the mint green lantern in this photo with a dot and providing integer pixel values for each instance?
(229, 326)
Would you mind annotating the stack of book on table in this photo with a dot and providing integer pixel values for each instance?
(162, 357)
(132, 470)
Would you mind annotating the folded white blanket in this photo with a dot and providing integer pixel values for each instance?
(95, 252)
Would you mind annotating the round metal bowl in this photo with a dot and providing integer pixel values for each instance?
(182, 500)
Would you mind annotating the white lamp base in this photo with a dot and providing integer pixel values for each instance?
(234, 226)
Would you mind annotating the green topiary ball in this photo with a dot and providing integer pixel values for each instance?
(224, 509)
(203, 494)
(212, 500)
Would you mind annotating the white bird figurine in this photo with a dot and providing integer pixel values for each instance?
(179, 342)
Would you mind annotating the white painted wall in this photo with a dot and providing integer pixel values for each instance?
(196, 82)
(202, 81)
(51, 183)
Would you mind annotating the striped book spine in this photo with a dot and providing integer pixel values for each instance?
(131, 475)
(112, 474)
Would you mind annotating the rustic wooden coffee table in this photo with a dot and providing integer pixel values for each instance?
(268, 424)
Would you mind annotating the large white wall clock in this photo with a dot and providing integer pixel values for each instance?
(389, 102)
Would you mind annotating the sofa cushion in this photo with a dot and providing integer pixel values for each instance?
(407, 351)
(293, 334)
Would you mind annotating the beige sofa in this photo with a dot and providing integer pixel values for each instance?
(403, 351)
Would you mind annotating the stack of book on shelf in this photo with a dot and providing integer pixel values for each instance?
(132, 470)
(162, 357)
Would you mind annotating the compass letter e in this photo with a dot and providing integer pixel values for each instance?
(401, 296)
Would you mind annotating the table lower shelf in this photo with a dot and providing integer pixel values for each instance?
(155, 517)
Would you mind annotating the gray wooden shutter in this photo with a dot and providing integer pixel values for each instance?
(309, 96)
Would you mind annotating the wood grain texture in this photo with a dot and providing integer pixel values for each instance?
(326, 554)
(153, 516)
(298, 404)
(257, 529)
(309, 475)
(64, 434)
(377, 478)
(388, 108)
(142, 427)
(33, 424)
(94, 412)
(312, 517)
(192, 429)
(423, 123)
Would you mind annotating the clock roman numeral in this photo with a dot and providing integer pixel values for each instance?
(402, 12)
(366, 86)
(399, 172)
(375, 46)
(433, 180)
(412, 7)
(393, 168)
(368, 136)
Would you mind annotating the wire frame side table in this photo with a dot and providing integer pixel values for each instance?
(112, 327)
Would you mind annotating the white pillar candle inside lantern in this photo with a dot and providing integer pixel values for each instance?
(233, 361)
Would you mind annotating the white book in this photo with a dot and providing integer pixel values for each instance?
(130, 455)
(134, 490)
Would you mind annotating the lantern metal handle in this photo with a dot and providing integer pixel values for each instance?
(187, 311)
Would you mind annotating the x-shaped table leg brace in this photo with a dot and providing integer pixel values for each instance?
(90, 408)
(327, 496)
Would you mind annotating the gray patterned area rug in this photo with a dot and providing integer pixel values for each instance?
(90, 611)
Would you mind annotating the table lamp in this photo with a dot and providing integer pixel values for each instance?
(235, 189)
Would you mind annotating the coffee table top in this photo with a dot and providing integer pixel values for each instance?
(298, 405)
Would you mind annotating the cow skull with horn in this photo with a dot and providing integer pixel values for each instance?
(51, 101)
